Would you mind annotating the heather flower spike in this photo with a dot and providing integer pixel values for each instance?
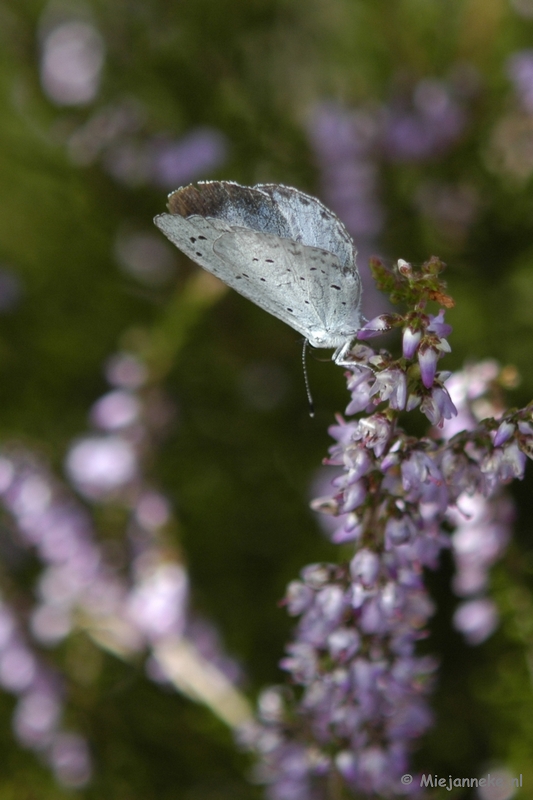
(359, 698)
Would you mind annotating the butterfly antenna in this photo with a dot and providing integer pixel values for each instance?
(306, 379)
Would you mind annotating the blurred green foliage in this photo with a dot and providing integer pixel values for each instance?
(238, 467)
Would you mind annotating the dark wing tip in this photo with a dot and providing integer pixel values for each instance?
(206, 198)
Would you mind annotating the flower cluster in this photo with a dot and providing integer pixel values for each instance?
(358, 700)
(425, 127)
(482, 524)
(346, 146)
(344, 142)
(116, 136)
(73, 55)
(509, 152)
(79, 586)
(39, 690)
(419, 123)
(520, 72)
(411, 380)
(109, 465)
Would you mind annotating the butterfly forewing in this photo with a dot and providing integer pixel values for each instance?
(312, 223)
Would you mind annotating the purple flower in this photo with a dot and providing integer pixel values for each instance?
(427, 358)
(70, 759)
(399, 530)
(374, 433)
(158, 603)
(299, 597)
(37, 714)
(349, 531)
(513, 463)
(438, 405)
(354, 495)
(72, 58)
(503, 464)
(438, 326)
(100, 465)
(375, 326)
(418, 472)
(358, 461)
(301, 662)
(365, 565)
(525, 428)
(76, 583)
(504, 433)
(200, 151)
(519, 68)
(481, 536)
(431, 126)
(115, 410)
(360, 385)
(343, 643)
(343, 141)
(410, 341)
(476, 620)
(391, 385)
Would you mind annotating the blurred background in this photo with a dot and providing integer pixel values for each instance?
(163, 420)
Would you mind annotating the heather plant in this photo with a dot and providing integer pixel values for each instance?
(356, 701)
(143, 611)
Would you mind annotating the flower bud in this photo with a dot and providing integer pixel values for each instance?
(504, 433)
(410, 341)
(427, 358)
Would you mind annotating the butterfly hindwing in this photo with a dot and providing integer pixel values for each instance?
(296, 283)
(195, 236)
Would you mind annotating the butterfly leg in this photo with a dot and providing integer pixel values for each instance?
(341, 353)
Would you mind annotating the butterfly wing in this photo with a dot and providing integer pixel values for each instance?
(310, 222)
(195, 236)
(303, 286)
(276, 246)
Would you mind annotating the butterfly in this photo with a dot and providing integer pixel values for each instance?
(277, 246)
